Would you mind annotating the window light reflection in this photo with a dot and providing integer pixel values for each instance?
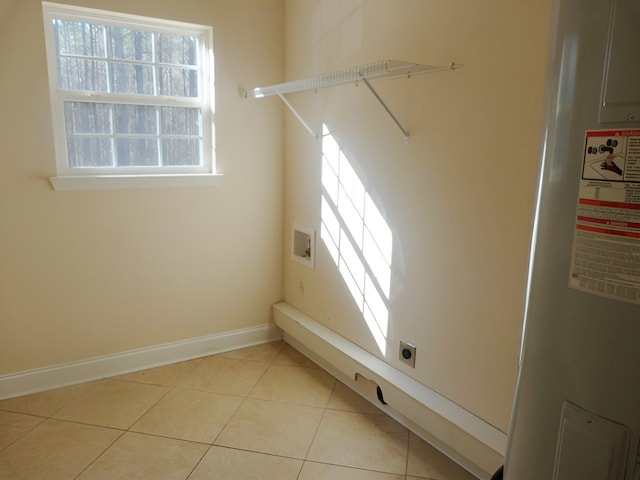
(357, 237)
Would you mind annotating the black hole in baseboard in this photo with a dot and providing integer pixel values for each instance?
(380, 397)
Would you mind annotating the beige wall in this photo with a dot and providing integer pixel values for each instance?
(91, 273)
(99, 272)
(458, 199)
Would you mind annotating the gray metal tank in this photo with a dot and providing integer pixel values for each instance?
(577, 406)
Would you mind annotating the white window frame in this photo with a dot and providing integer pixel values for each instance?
(74, 178)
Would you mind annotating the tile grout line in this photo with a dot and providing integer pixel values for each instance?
(176, 386)
(315, 433)
(362, 469)
(42, 420)
(246, 397)
(100, 454)
(198, 462)
(213, 442)
(51, 417)
(123, 431)
(170, 389)
(272, 363)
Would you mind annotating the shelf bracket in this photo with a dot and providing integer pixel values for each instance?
(380, 70)
(298, 116)
(407, 137)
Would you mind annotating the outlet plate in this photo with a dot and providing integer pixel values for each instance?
(407, 353)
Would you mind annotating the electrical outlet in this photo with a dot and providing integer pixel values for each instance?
(408, 353)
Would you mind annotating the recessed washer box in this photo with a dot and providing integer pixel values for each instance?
(303, 245)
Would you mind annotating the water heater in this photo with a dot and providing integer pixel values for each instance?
(576, 413)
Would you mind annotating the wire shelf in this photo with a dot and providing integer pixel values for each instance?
(379, 70)
(366, 73)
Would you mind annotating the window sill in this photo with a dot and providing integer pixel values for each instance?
(118, 182)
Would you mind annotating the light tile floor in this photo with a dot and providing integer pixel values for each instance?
(264, 412)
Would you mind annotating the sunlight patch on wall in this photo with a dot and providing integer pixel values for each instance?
(357, 237)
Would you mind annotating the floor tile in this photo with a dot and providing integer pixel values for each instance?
(265, 412)
(15, 425)
(299, 385)
(189, 415)
(359, 440)
(411, 477)
(46, 403)
(228, 464)
(272, 427)
(225, 375)
(427, 462)
(290, 356)
(343, 398)
(265, 352)
(321, 471)
(142, 457)
(55, 450)
(113, 403)
(169, 375)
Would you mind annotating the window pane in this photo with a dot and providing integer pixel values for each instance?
(136, 119)
(89, 151)
(81, 117)
(181, 152)
(127, 44)
(132, 78)
(181, 121)
(128, 92)
(137, 152)
(178, 82)
(177, 49)
(78, 38)
(80, 74)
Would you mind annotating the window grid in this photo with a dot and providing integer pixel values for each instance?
(174, 62)
(159, 136)
(109, 57)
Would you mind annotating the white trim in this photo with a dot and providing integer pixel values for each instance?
(205, 102)
(119, 182)
(112, 18)
(46, 378)
(473, 443)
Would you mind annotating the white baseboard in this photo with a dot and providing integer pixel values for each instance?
(467, 439)
(46, 378)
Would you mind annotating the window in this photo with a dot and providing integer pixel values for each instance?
(131, 97)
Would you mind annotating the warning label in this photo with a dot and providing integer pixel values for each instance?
(606, 244)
